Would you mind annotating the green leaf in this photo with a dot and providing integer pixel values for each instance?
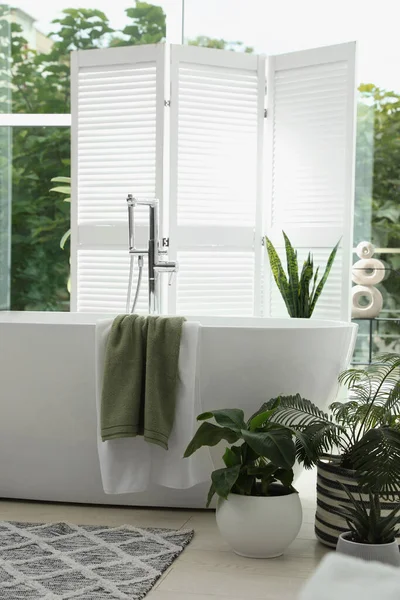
(322, 282)
(232, 456)
(376, 458)
(210, 435)
(61, 189)
(278, 273)
(64, 239)
(259, 420)
(232, 418)
(61, 179)
(224, 480)
(285, 476)
(275, 445)
(211, 493)
(293, 273)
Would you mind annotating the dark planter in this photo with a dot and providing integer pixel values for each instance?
(328, 523)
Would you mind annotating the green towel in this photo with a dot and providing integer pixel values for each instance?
(140, 378)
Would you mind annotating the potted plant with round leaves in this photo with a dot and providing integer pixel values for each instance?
(371, 535)
(258, 510)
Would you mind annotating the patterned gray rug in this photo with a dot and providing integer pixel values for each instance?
(55, 561)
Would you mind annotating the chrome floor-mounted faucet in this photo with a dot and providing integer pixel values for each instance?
(156, 266)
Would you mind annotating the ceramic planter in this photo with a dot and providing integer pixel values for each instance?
(384, 553)
(259, 527)
(328, 522)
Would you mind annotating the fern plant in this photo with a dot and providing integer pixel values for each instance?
(364, 430)
(369, 526)
(295, 289)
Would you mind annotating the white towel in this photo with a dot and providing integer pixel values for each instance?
(341, 577)
(131, 464)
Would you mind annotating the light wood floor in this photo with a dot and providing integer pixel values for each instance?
(207, 569)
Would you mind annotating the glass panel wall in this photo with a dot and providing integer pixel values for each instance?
(5, 163)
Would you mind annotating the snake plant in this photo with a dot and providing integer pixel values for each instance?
(369, 526)
(295, 289)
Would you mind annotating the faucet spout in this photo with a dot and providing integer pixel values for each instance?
(155, 265)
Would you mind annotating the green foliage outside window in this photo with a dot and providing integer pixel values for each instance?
(40, 84)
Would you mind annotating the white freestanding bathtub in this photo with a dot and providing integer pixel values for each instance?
(48, 444)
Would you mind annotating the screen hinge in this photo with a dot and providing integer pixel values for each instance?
(265, 113)
(167, 102)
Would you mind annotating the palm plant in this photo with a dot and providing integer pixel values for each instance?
(369, 526)
(365, 429)
(295, 290)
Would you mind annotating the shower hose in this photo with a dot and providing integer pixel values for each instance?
(129, 308)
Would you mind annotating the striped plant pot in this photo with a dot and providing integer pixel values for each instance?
(328, 523)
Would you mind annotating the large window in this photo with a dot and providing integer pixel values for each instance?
(40, 88)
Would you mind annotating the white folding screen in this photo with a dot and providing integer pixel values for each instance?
(117, 148)
(214, 210)
(310, 166)
(215, 225)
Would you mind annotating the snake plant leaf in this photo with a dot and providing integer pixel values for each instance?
(324, 277)
(210, 435)
(278, 271)
(293, 275)
(233, 418)
(305, 278)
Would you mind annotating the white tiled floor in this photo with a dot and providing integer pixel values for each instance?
(207, 569)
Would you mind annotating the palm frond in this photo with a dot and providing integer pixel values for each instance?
(376, 458)
(295, 411)
(314, 441)
(392, 403)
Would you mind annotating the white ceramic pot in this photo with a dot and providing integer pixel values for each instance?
(384, 553)
(259, 527)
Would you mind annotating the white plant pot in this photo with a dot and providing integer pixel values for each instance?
(259, 527)
(384, 553)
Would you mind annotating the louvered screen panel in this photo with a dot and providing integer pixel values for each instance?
(103, 277)
(329, 303)
(215, 283)
(310, 194)
(117, 139)
(217, 102)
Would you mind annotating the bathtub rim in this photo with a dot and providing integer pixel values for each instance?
(207, 322)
